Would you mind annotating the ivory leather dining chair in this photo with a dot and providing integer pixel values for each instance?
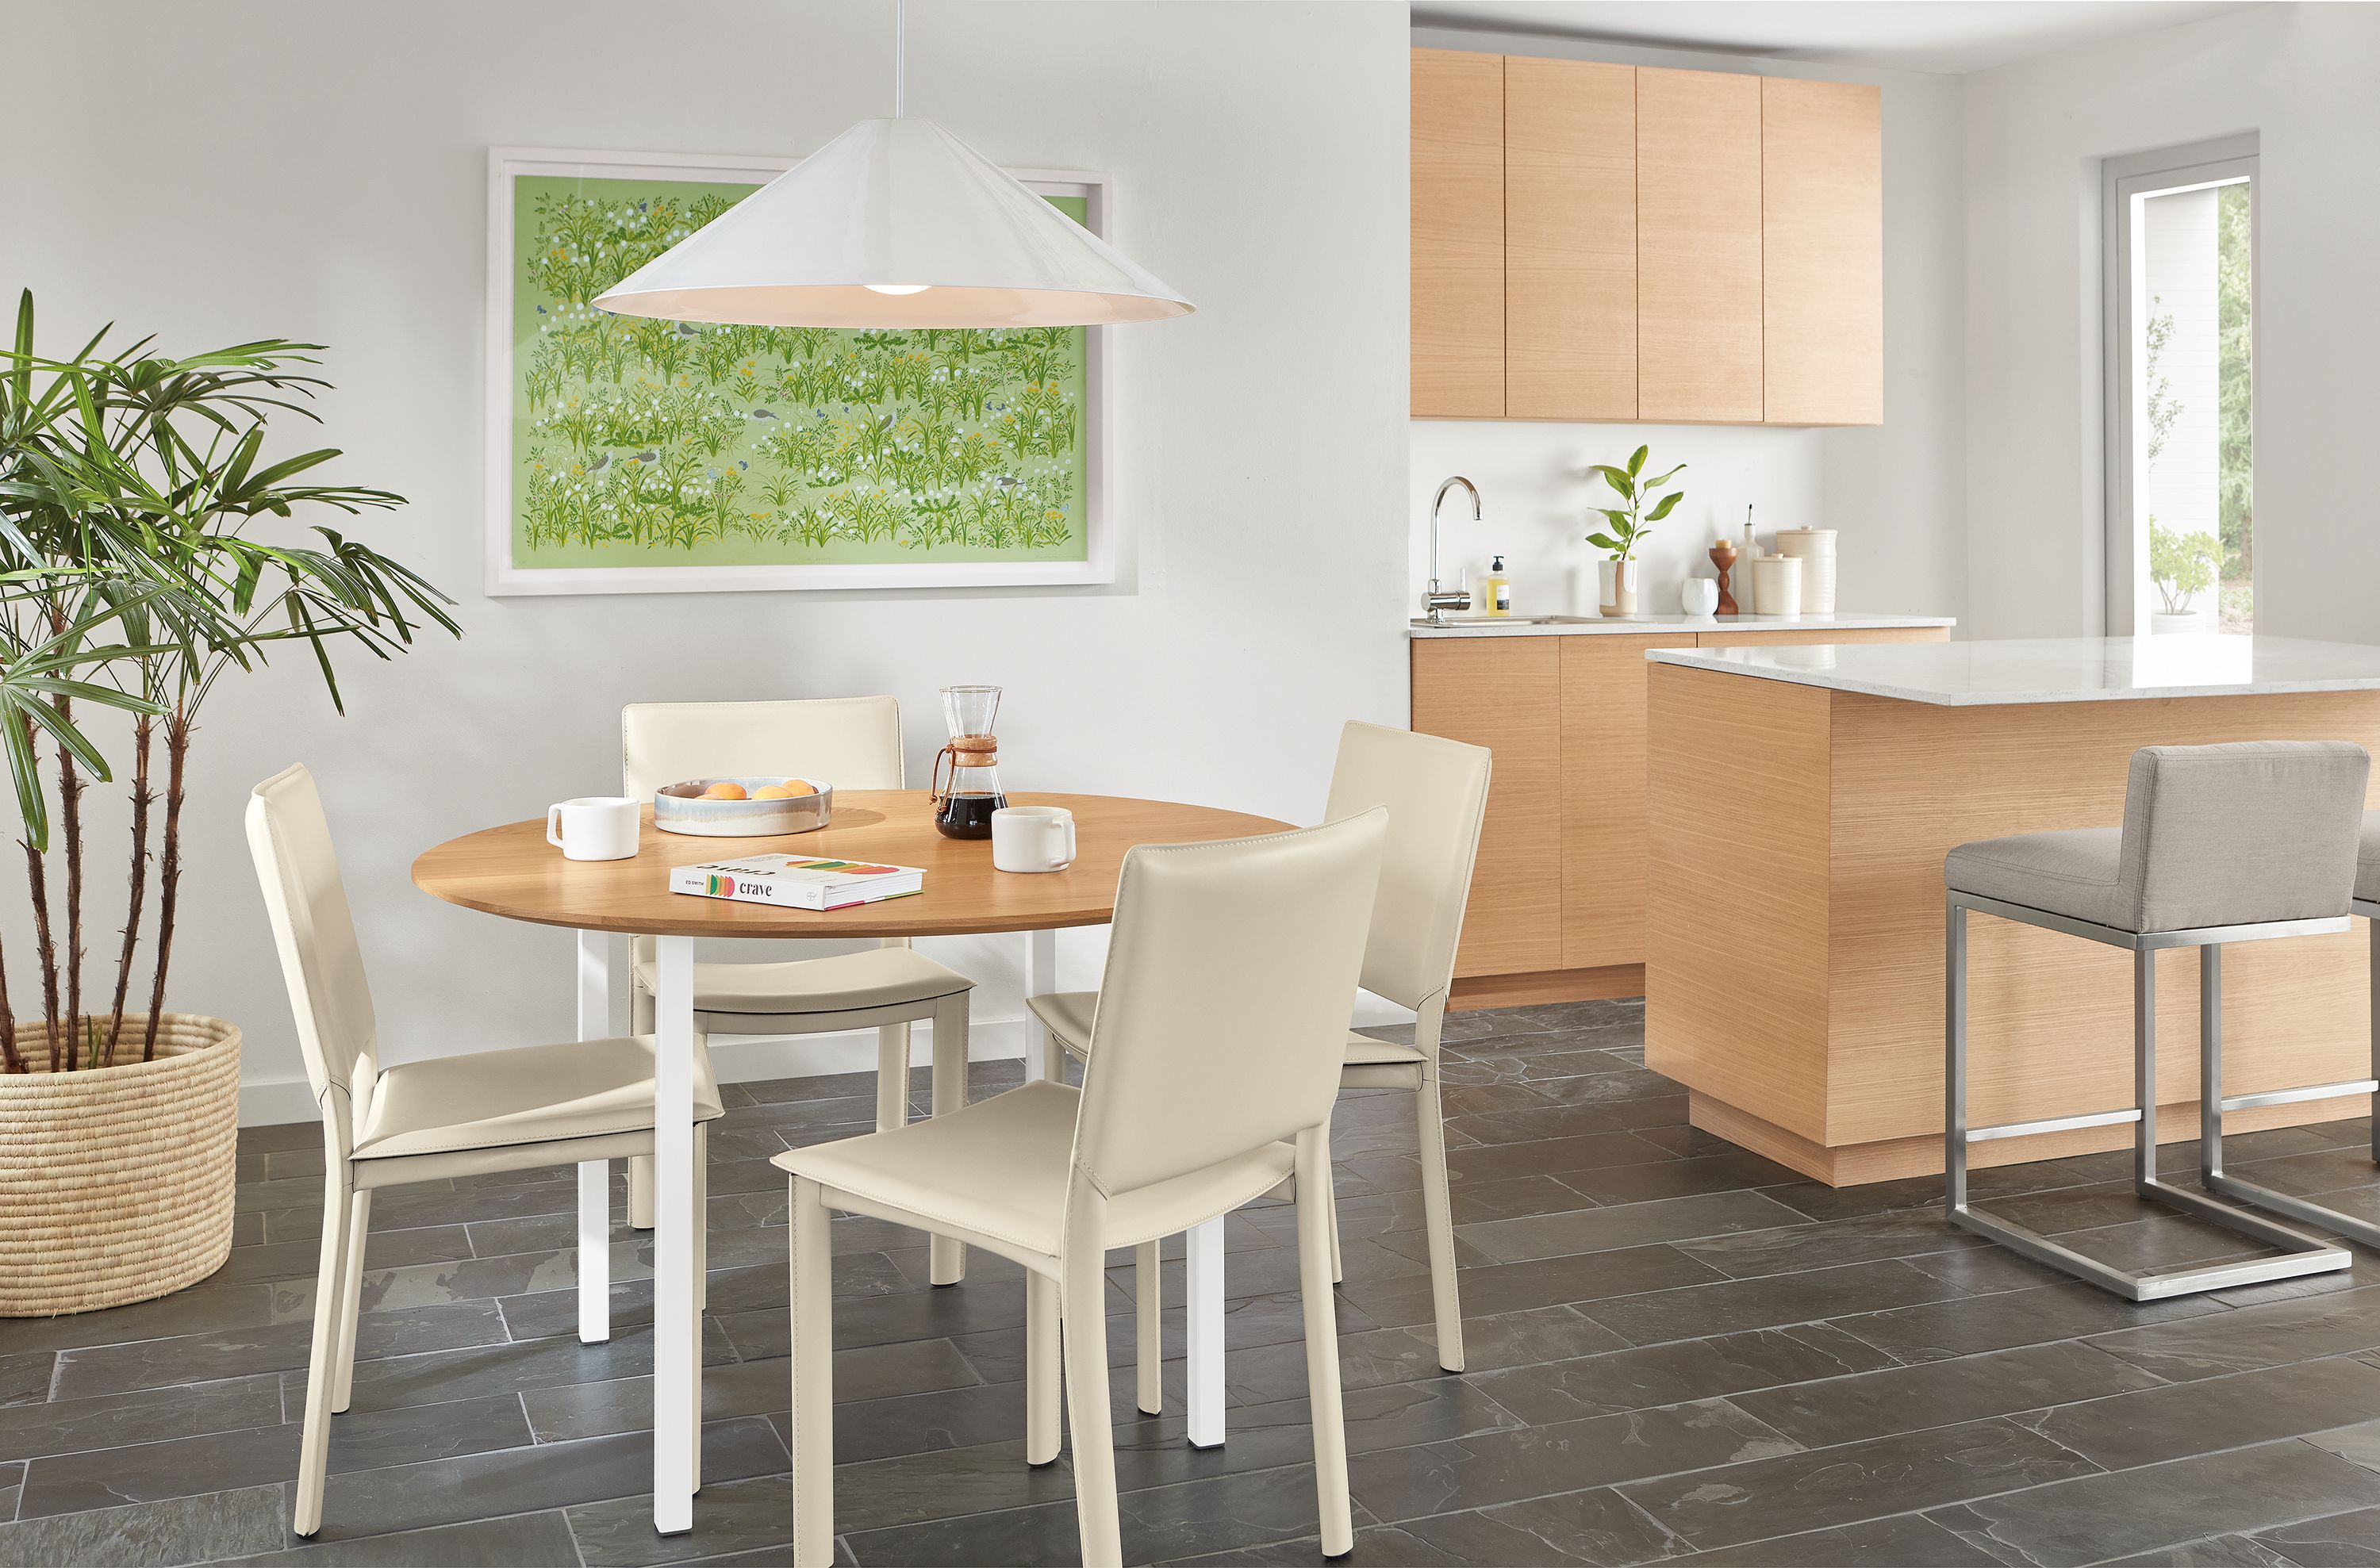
(386, 1126)
(1213, 1067)
(1436, 792)
(852, 743)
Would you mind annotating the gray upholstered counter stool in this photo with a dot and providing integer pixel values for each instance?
(2220, 844)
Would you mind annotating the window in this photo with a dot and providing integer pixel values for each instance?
(2180, 245)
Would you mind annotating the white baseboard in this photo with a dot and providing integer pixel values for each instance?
(735, 1058)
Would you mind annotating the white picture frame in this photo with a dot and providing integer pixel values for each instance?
(507, 165)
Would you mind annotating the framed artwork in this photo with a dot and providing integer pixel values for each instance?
(627, 455)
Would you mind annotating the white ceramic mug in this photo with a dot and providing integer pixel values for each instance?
(1698, 595)
(1032, 838)
(593, 827)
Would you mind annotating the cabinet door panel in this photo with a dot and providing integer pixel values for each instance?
(1458, 236)
(1822, 252)
(1604, 693)
(1504, 694)
(1697, 247)
(1570, 240)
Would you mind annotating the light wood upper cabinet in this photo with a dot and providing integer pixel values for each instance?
(1617, 243)
(1698, 247)
(1822, 238)
(1458, 235)
(1570, 240)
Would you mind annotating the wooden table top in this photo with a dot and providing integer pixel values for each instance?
(513, 871)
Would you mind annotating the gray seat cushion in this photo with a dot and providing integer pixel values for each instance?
(2242, 834)
(2078, 873)
(2367, 860)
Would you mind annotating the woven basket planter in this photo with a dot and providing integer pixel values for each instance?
(117, 1183)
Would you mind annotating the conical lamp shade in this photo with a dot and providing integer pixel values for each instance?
(903, 205)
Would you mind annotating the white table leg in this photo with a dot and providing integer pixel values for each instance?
(677, 1335)
(594, 1176)
(1203, 1247)
(1041, 978)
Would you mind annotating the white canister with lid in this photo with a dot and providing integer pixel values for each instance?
(1777, 586)
(1814, 548)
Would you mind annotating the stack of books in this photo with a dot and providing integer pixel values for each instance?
(797, 881)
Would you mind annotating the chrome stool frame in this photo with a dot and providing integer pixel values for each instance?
(2210, 1142)
(2302, 1254)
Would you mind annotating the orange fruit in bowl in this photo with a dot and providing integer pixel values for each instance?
(725, 789)
(791, 789)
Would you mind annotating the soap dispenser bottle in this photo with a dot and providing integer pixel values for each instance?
(1496, 589)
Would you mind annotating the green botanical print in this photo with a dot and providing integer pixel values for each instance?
(658, 443)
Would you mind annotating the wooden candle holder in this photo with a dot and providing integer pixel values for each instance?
(1722, 555)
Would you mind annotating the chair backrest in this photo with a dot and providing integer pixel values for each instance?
(323, 969)
(1223, 1016)
(2241, 834)
(1436, 790)
(850, 743)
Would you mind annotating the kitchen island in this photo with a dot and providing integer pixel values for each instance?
(1800, 800)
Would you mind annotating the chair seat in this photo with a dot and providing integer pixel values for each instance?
(1068, 1015)
(2075, 873)
(2367, 860)
(531, 1094)
(877, 977)
(999, 1167)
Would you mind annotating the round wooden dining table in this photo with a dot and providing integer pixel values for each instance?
(512, 872)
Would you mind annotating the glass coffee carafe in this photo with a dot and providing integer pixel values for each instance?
(963, 808)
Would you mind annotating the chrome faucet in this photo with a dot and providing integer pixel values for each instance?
(1435, 600)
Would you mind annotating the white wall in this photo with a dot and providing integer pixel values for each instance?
(1897, 492)
(336, 193)
(2302, 77)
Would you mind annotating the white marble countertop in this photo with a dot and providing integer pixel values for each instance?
(2053, 670)
(1645, 626)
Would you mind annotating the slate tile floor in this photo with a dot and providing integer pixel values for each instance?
(1678, 1351)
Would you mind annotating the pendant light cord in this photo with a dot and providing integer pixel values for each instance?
(900, 57)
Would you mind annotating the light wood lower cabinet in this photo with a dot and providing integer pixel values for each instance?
(1503, 694)
(1558, 900)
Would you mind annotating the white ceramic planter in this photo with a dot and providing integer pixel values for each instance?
(2163, 623)
(1618, 582)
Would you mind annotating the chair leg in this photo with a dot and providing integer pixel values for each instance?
(351, 1300)
(891, 1077)
(1085, 1330)
(811, 1294)
(322, 1373)
(1438, 1223)
(1042, 1381)
(701, 1236)
(1331, 1209)
(945, 1259)
(1322, 1344)
(640, 1192)
(1148, 1332)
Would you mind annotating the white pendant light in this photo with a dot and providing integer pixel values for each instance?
(894, 223)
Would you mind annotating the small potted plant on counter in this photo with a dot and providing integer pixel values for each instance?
(2183, 567)
(134, 576)
(1629, 525)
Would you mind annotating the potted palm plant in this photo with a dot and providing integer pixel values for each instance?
(135, 576)
(1628, 526)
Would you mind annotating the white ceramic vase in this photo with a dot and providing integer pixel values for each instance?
(1617, 581)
